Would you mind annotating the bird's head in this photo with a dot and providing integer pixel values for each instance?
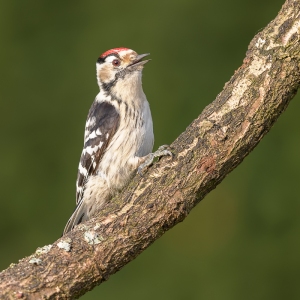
(119, 65)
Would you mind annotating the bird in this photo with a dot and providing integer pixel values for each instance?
(118, 137)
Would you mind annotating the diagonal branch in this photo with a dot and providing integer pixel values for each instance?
(213, 145)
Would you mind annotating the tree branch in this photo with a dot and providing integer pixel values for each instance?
(213, 145)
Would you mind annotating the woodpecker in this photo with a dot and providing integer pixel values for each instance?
(118, 136)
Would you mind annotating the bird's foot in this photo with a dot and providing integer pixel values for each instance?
(161, 151)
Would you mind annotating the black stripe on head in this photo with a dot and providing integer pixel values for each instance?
(100, 60)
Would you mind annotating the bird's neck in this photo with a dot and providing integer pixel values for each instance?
(128, 89)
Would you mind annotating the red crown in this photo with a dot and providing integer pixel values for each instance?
(115, 50)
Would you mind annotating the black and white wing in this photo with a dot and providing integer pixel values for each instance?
(102, 122)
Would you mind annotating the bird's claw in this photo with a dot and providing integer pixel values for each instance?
(161, 151)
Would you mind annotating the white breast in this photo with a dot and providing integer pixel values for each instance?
(134, 137)
(147, 141)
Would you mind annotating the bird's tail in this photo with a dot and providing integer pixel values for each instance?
(79, 215)
(96, 194)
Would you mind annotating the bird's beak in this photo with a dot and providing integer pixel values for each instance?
(138, 60)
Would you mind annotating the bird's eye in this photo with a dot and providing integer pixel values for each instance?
(116, 62)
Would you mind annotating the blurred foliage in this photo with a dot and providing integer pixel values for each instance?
(242, 241)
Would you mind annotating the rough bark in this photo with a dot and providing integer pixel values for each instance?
(213, 145)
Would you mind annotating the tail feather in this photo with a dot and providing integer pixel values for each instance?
(79, 215)
(95, 195)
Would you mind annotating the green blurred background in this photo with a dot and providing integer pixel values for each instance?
(242, 241)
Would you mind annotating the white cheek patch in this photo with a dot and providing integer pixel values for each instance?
(110, 58)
